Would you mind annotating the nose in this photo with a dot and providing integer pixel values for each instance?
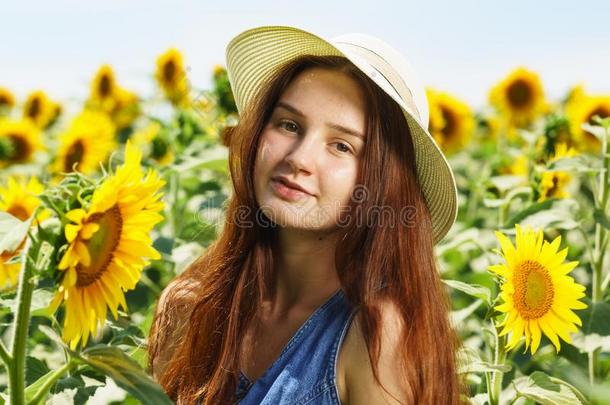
(302, 156)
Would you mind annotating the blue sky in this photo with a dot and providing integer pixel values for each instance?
(461, 47)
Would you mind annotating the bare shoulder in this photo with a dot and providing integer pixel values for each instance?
(360, 386)
(170, 325)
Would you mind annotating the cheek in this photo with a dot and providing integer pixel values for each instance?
(339, 182)
(271, 151)
(272, 148)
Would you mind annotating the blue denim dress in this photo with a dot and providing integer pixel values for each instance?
(304, 373)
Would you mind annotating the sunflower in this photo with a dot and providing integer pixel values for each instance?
(538, 295)
(20, 199)
(581, 110)
(575, 94)
(517, 167)
(171, 76)
(103, 86)
(451, 121)
(218, 71)
(7, 100)
(39, 108)
(553, 183)
(108, 241)
(488, 127)
(121, 105)
(126, 108)
(520, 97)
(87, 142)
(151, 138)
(9, 272)
(19, 140)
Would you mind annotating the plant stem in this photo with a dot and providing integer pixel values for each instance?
(495, 388)
(599, 250)
(25, 290)
(174, 188)
(5, 356)
(44, 389)
(499, 358)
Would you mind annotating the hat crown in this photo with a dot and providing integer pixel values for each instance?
(394, 69)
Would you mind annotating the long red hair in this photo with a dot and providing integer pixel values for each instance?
(204, 312)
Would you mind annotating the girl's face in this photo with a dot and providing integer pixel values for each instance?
(314, 139)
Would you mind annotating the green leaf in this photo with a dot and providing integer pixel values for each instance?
(470, 362)
(595, 332)
(601, 218)
(580, 163)
(494, 202)
(479, 399)
(40, 302)
(596, 130)
(546, 390)
(33, 388)
(41, 299)
(214, 159)
(51, 334)
(34, 369)
(595, 318)
(126, 373)
(506, 182)
(12, 231)
(75, 381)
(474, 290)
(551, 213)
(459, 315)
(590, 342)
(126, 333)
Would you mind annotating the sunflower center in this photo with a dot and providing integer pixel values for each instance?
(533, 290)
(4, 100)
(159, 148)
(449, 122)
(554, 188)
(34, 108)
(601, 111)
(169, 71)
(18, 211)
(519, 93)
(74, 155)
(101, 246)
(104, 86)
(20, 148)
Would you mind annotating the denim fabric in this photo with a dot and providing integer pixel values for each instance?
(304, 373)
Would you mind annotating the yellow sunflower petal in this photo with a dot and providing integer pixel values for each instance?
(549, 332)
(76, 215)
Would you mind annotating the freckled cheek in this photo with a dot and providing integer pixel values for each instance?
(271, 151)
(337, 183)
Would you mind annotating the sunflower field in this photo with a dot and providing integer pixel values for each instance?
(101, 208)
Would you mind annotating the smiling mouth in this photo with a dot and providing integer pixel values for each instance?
(286, 192)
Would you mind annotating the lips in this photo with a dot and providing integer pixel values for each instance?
(290, 184)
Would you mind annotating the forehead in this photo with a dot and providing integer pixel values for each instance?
(327, 94)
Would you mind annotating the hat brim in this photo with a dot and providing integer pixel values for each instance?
(254, 55)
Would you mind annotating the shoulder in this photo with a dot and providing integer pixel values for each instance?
(170, 322)
(360, 383)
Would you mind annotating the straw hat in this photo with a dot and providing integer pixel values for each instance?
(256, 53)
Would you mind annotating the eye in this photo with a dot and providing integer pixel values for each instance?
(343, 147)
(289, 126)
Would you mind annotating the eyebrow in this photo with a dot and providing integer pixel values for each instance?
(286, 106)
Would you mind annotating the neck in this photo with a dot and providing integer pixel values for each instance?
(305, 269)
